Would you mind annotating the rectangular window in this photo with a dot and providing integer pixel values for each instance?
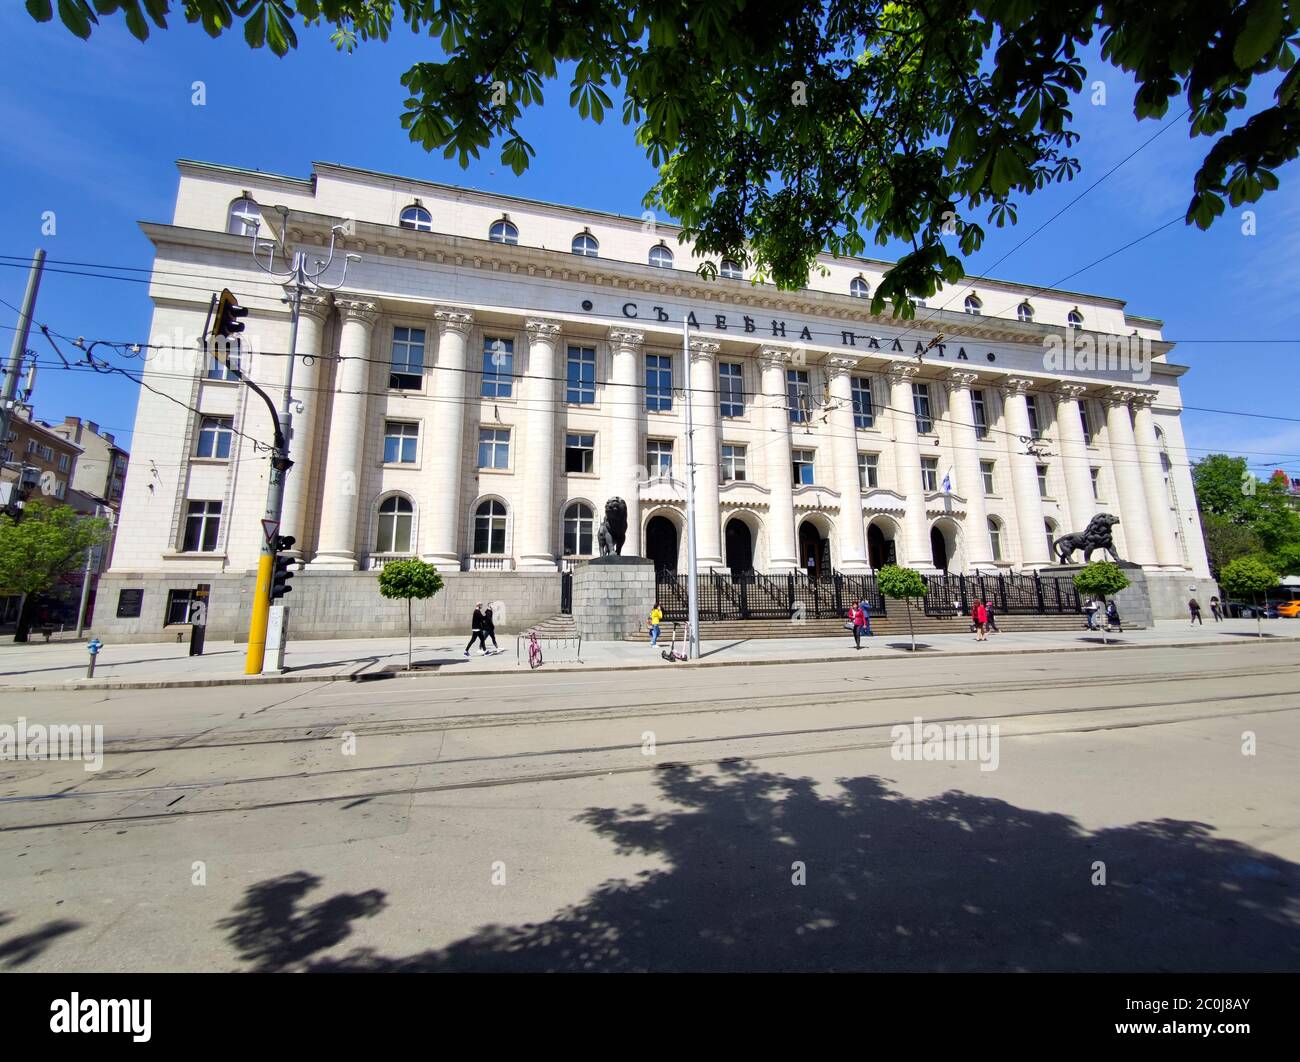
(580, 378)
(1083, 417)
(579, 452)
(202, 522)
(929, 473)
(64, 463)
(1031, 404)
(1042, 481)
(659, 457)
(802, 467)
(215, 434)
(868, 471)
(31, 446)
(731, 390)
(1096, 483)
(797, 393)
(864, 415)
(400, 442)
(494, 448)
(733, 463)
(178, 606)
(658, 383)
(986, 471)
(498, 367)
(921, 405)
(407, 365)
(981, 414)
(224, 363)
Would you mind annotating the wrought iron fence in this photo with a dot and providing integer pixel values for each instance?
(1012, 594)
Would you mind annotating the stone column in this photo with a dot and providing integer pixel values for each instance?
(1074, 456)
(441, 516)
(536, 519)
(626, 400)
(970, 482)
(781, 556)
(1133, 515)
(1153, 479)
(708, 455)
(306, 389)
(336, 545)
(907, 463)
(1024, 475)
(844, 448)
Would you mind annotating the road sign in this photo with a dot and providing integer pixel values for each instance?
(270, 529)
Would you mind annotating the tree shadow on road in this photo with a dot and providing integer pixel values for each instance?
(952, 882)
(22, 949)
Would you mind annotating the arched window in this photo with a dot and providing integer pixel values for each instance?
(503, 231)
(490, 528)
(920, 303)
(1024, 312)
(393, 532)
(973, 305)
(586, 244)
(579, 526)
(1075, 319)
(731, 270)
(858, 288)
(245, 219)
(995, 537)
(416, 217)
(661, 257)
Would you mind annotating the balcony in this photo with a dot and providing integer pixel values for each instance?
(375, 562)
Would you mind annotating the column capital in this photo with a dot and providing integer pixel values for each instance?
(1116, 396)
(357, 309)
(1143, 399)
(960, 379)
(1015, 385)
(625, 339)
(775, 357)
(541, 328)
(902, 370)
(703, 349)
(453, 319)
(1069, 392)
(838, 365)
(313, 304)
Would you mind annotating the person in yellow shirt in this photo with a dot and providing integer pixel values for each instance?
(656, 617)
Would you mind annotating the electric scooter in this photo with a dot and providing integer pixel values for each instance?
(671, 654)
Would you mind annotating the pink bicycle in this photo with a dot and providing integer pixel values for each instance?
(534, 650)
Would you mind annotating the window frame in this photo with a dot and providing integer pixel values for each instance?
(222, 430)
(797, 462)
(732, 395)
(589, 449)
(729, 269)
(737, 459)
(658, 398)
(929, 474)
(660, 251)
(1043, 472)
(394, 374)
(495, 445)
(989, 477)
(794, 388)
(979, 413)
(868, 470)
(509, 232)
(394, 518)
(654, 470)
(496, 384)
(921, 397)
(580, 386)
(585, 238)
(863, 419)
(244, 217)
(578, 521)
(207, 518)
(402, 436)
(973, 305)
(415, 226)
(487, 522)
(859, 288)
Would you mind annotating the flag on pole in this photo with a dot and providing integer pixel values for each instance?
(947, 481)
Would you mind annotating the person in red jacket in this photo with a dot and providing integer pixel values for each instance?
(980, 615)
(859, 620)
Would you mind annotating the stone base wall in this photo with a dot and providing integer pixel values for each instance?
(329, 605)
(612, 597)
(1171, 592)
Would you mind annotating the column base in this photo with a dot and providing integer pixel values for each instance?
(537, 563)
(444, 562)
(705, 563)
(855, 566)
(782, 566)
(336, 560)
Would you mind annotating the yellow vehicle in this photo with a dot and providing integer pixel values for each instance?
(1289, 609)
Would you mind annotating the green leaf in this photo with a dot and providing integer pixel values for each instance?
(1259, 35)
(77, 16)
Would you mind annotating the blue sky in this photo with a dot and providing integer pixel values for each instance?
(93, 130)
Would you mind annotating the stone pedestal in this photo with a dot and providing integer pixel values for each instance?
(612, 597)
(1133, 602)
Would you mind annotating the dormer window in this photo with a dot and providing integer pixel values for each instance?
(245, 218)
(858, 288)
(661, 257)
(503, 231)
(586, 245)
(416, 217)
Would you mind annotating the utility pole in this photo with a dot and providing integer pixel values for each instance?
(301, 279)
(692, 583)
(14, 367)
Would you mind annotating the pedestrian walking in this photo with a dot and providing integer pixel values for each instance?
(656, 618)
(489, 630)
(866, 618)
(980, 616)
(858, 621)
(1216, 609)
(476, 630)
(1093, 609)
(1112, 617)
(1194, 607)
(989, 617)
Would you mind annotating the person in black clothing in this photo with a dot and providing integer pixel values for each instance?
(1194, 607)
(476, 630)
(489, 630)
(1112, 617)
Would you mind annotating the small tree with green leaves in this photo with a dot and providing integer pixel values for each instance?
(409, 579)
(35, 550)
(1101, 579)
(1248, 576)
(902, 584)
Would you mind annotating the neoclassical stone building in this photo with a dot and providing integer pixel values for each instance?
(497, 368)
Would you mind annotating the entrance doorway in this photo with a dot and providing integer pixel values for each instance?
(814, 551)
(740, 546)
(661, 543)
(938, 549)
(880, 550)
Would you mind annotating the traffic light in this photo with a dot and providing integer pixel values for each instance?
(282, 574)
(226, 321)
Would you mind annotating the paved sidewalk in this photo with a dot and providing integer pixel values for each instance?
(62, 664)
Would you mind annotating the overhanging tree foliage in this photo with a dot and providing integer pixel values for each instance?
(784, 128)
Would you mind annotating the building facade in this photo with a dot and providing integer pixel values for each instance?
(497, 369)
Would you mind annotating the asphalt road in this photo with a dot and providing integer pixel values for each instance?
(732, 818)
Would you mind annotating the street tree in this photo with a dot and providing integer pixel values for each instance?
(1242, 515)
(44, 543)
(410, 580)
(902, 584)
(1248, 576)
(1101, 579)
(785, 128)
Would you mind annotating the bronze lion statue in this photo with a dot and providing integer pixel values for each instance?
(613, 529)
(1096, 536)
